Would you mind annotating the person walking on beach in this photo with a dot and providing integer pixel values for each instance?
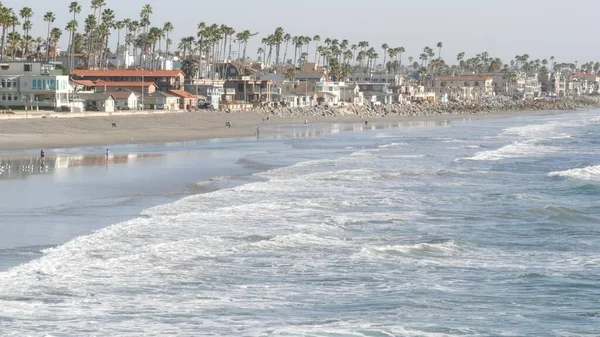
(257, 132)
(107, 155)
(42, 154)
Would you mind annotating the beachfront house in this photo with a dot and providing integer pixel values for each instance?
(126, 100)
(390, 79)
(159, 100)
(248, 90)
(96, 102)
(211, 90)
(376, 93)
(164, 79)
(37, 85)
(187, 101)
(351, 94)
(463, 87)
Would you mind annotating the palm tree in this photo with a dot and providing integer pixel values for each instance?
(6, 20)
(133, 30)
(185, 44)
(71, 28)
(50, 18)
(38, 46)
(55, 35)
(439, 46)
(168, 28)
(14, 41)
(278, 36)
(74, 8)
(317, 39)
(118, 26)
(287, 38)
(26, 14)
(385, 48)
(145, 23)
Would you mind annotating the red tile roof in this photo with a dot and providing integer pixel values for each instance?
(111, 84)
(182, 94)
(126, 73)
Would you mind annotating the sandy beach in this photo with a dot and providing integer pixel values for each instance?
(34, 133)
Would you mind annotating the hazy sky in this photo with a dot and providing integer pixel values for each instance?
(503, 28)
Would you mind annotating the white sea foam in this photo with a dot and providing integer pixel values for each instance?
(392, 145)
(514, 150)
(420, 250)
(537, 132)
(591, 173)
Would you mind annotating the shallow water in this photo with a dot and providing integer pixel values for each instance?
(484, 228)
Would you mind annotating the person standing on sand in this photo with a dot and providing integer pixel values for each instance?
(107, 155)
(257, 132)
(42, 154)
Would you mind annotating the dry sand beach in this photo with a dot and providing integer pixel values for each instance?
(34, 133)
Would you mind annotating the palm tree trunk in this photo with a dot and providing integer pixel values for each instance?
(285, 53)
(2, 50)
(295, 50)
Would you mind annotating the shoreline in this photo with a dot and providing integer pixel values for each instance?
(73, 132)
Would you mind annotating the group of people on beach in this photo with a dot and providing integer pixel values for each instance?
(228, 124)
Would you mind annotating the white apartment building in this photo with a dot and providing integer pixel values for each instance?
(32, 84)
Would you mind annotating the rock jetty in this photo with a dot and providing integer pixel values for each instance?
(489, 105)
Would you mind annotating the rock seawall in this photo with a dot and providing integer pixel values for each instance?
(492, 104)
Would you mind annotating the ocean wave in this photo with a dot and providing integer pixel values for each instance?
(392, 145)
(514, 150)
(419, 250)
(537, 132)
(591, 173)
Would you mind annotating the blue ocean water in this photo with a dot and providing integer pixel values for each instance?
(479, 228)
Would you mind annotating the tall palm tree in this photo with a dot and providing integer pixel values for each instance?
(6, 20)
(55, 35)
(89, 28)
(74, 8)
(133, 30)
(118, 26)
(317, 39)
(440, 45)
(286, 38)
(50, 18)
(26, 14)
(145, 23)
(168, 28)
(71, 28)
(278, 36)
(385, 48)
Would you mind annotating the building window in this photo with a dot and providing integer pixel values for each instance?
(476, 84)
(27, 67)
(3, 83)
(52, 84)
(15, 97)
(9, 97)
(14, 83)
(4, 97)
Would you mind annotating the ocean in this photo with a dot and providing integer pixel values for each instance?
(460, 228)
